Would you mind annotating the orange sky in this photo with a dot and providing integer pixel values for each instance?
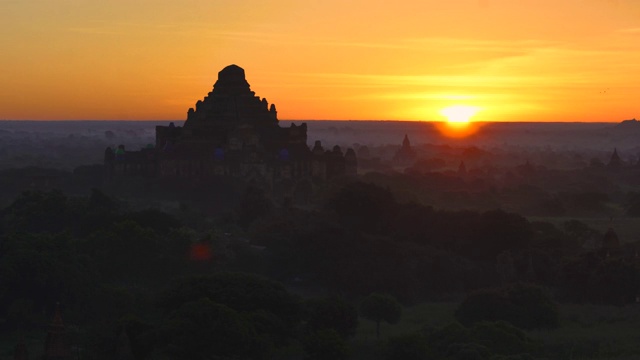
(526, 60)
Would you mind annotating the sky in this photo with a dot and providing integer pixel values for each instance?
(513, 60)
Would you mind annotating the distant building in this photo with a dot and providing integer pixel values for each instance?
(615, 163)
(233, 133)
(406, 154)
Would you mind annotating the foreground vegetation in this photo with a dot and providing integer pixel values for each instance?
(585, 331)
(275, 281)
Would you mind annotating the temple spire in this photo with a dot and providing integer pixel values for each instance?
(615, 162)
(56, 347)
(405, 154)
(405, 142)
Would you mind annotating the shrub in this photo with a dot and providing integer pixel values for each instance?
(332, 313)
(408, 347)
(523, 305)
(379, 307)
(325, 344)
(500, 337)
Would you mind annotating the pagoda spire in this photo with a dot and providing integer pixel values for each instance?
(615, 162)
(405, 153)
(405, 142)
(56, 347)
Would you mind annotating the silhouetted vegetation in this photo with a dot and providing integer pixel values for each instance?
(485, 340)
(332, 313)
(379, 308)
(525, 306)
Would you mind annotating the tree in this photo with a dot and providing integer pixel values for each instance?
(254, 205)
(501, 338)
(38, 212)
(483, 340)
(523, 305)
(408, 347)
(363, 206)
(267, 302)
(497, 231)
(632, 204)
(381, 307)
(157, 220)
(325, 344)
(616, 282)
(38, 270)
(124, 250)
(242, 292)
(332, 313)
(203, 329)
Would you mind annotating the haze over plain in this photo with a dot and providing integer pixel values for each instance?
(574, 60)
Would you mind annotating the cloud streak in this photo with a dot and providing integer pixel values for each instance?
(488, 81)
(635, 30)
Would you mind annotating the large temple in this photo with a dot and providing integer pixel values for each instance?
(233, 133)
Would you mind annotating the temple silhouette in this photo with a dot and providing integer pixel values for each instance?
(233, 133)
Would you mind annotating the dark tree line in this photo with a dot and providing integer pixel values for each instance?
(164, 282)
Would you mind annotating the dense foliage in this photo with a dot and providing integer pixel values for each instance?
(379, 308)
(482, 341)
(523, 305)
(184, 284)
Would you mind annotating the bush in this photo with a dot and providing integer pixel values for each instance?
(501, 338)
(204, 327)
(513, 357)
(408, 347)
(273, 311)
(523, 305)
(241, 292)
(379, 307)
(363, 206)
(480, 341)
(468, 351)
(332, 313)
(325, 344)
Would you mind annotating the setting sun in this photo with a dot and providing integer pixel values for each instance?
(459, 114)
(458, 122)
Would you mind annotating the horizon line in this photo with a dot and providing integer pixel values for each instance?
(329, 120)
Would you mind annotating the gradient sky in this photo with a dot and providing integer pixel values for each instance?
(522, 60)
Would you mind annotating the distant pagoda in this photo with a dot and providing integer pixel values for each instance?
(406, 154)
(615, 163)
(56, 346)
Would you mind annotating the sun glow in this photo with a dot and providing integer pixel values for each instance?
(458, 122)
(459, 114)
